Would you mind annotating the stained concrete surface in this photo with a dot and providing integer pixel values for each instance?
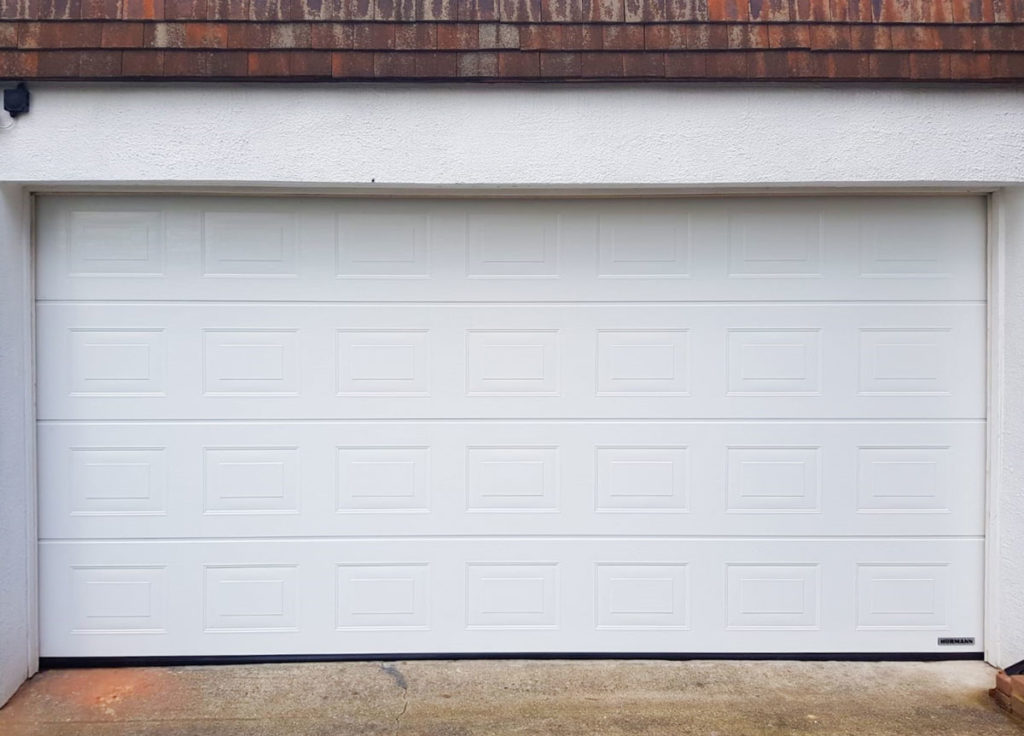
(559, 698)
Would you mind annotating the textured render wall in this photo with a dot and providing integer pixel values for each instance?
(448, 137)
(16, 519)
(513, 135)
(1008, 575)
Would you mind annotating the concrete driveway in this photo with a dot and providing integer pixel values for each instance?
(559, 698)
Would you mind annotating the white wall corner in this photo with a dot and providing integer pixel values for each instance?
(18, 631)
(1004, 597)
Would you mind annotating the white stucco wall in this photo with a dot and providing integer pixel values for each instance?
(17, 502)
(1006, 433)
(471, 139)
(516, 135)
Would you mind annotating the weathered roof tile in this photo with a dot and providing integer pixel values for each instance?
(848, 40)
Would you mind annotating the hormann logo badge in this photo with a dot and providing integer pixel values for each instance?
(955, 641)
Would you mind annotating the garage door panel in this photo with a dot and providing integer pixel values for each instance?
(608, 595)
(767, 361)
(312, 425)
(336, 479)
(512, 250)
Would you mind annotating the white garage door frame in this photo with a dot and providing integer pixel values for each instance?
(981, 164)
(584, 400)
(993, 253)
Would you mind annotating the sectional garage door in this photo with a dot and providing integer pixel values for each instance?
(298, 426)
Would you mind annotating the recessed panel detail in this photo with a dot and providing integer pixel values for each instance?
(774, 479)
(248, 244)
(642, 478)
(644, 245)
(512, 596)
(643, 362)
(118, 362)
(651, 596)
(894, 479)
(394, 245)
(896, 361)
(115, 244)
(902, 596)
(775, 244)
(512, 362)
(512, 478)
(122, 600)
(251, 598)
(383, 479)
(383, 596)
(509, 245)
(897, 245)
(118, 480)
(765, 362)
(251, 362)
(772, 596)
(383, 363)
(251, 479)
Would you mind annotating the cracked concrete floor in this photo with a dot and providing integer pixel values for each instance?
(566, 698)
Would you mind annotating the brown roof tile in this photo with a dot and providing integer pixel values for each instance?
(847, 40)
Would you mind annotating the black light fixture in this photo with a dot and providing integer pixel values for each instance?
(16, 100)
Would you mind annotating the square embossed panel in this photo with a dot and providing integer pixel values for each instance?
(512, 596)
(771, 361)
(899, 361)
(642, 478)
(500, 244)
(253, 361)
(254, 244)
(109, 598)
(118, 480)
(509, 362)
(774, 479)
(649, 242)
(383, 596)
(773, 596)
(107, 242)
(505, 478)
(894, 596)
(381, 363)
(653, 596)
(387, 425)
(766, 241)
(395, 245)
(244, 480)
(251, 598)
(117, 361)
(653, 362)
(383, 479)
(904, 479)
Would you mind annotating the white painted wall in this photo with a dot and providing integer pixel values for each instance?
(371, 138)
(17, 471)
(518, 134)
(1005, 599)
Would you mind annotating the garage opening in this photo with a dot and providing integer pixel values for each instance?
(286, 426)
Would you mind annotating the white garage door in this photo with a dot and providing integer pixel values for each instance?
(287, 426)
